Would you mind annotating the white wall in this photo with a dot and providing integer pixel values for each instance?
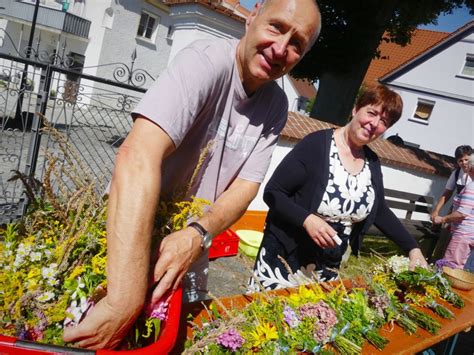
(395, 178)
(193, 21)
(438, 79)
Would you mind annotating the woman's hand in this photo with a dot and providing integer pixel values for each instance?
(416, 259)
(321, 232)
(438, 220)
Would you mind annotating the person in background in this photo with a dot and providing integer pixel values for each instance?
(462, 223)
(324, 196)
(217, 92)
(457, 180)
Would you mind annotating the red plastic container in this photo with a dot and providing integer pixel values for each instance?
(225, 244)
(164, 344)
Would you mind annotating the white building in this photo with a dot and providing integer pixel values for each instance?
(437, 88)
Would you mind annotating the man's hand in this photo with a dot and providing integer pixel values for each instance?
(177, 252)
(321, 232)
(416, 259)
(104, 327)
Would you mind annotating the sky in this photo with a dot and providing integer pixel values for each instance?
(446, 23)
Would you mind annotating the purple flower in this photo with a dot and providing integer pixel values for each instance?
(160, 311)
(443, 262)
(230, 339)
(325, 318)
(290, 317)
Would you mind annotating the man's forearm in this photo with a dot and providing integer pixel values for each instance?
(230, 206)
(134, 195)
(129, 227)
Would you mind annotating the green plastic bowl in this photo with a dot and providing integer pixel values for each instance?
(250, 241)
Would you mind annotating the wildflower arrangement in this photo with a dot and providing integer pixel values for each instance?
(53, 261)
(327, 318)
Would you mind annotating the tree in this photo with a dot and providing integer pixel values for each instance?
(351, 33)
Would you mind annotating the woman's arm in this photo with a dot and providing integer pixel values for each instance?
(450, 218)
(442, 200)
(290, 176)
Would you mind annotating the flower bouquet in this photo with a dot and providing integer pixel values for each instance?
(53, 261)
(324, 318)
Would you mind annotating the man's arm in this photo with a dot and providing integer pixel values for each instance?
(180, 249)
(134, 195)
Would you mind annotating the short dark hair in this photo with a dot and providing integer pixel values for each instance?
(392, 104)
(462, 150)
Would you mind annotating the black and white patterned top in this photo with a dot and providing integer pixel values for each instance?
(348, 198)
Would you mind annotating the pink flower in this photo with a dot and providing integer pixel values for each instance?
(230, 339)
(160, 310)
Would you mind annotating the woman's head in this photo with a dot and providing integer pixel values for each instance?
(462, 154)
(470, 163)
(391, 103)
(375, 111)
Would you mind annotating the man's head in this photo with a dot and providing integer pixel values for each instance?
(278, 34)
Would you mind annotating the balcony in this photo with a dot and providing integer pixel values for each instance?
(59, 20)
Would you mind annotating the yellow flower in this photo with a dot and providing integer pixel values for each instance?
(263, 333)
(78, 270)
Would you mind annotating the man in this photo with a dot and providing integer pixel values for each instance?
(216, 91)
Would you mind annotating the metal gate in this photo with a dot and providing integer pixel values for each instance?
(92, 112)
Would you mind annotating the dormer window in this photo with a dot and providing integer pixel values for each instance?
(468, 69)
(423, 110)
(147, 26)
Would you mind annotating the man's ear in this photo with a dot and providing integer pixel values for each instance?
(252, 15)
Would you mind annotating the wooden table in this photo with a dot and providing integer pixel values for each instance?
(400, 342)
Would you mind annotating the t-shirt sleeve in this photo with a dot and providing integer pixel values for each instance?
(258, 162)
(451, 184)
(466, 202)
(178, 95)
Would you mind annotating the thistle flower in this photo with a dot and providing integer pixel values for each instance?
(230, 339)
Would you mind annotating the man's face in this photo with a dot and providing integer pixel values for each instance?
(277, 36)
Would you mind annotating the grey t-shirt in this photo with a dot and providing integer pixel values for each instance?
(200, 98)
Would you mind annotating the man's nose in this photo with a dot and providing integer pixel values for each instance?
(280, 47)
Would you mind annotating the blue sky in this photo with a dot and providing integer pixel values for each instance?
(446, 23)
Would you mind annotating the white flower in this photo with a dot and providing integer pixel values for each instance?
(52, 281)
(49, 272)
(398, 263)
(46, 296)
(35, 256)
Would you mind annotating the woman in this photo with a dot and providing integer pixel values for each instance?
(462, 223)
(329, 185)
(458, 178)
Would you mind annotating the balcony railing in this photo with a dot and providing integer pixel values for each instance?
(48, 17)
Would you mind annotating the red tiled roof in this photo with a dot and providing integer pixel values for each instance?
(298, 126)
(393, 55)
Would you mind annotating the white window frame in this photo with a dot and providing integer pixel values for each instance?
(423, 102)
(469, 57)
(143, 36)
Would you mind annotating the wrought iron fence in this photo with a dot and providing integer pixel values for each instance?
(92, 112)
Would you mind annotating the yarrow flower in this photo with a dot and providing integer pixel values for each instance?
(326, 318)
(398, 264)
(230, 339)
(290, 317)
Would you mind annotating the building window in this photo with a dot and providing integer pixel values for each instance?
(423, 111)
(146, 25)
(468, 68)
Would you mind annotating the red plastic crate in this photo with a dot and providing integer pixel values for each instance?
(164, 344)
(225, 244)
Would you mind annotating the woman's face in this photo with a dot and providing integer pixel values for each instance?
(367, 124)
(463, 163)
